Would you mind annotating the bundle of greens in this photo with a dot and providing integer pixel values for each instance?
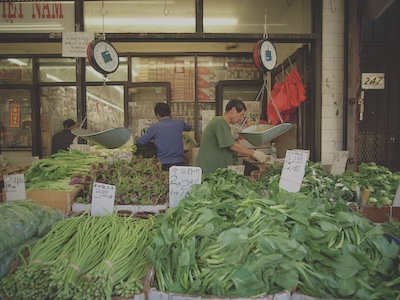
(85, 257)
(223, 242)
(139, 181)
(55, 172)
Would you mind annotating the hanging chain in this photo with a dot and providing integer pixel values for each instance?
(265, 22)
(102, 16)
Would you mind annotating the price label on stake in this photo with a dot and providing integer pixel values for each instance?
(293, 170)
(15, 187)
(122, 155)
(339, 162)
(181, 180)
(239, 169)
(103, 196)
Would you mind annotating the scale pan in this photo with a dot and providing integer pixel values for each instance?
(110, 138)
(260, 134)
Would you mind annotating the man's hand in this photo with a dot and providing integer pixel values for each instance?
(260, 156)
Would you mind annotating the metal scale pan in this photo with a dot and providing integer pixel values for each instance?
(110, 138)
(260, 134)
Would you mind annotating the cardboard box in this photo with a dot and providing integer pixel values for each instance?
(61, 200)
(379, 215)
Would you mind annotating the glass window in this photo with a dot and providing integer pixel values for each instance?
(105, 107)
(250, 16)
(15, 70)
(15, 119)
(58, 103)
(140, 16)
(57, 69)
(37, 16)
(179, 71)
(121, 74)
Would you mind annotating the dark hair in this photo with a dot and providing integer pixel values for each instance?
(237, 103)
(68, 123)
(162, 109)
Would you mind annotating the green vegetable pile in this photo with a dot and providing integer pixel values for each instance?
(84, 257)
(392, 227)
(224, 241)
(55, 172)
(21, 222)
(140, 181)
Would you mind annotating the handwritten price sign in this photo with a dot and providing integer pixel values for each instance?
(181, 180)
(293, 170)
(122, 155)
(103, 196)
(14, 186)
(339, 162)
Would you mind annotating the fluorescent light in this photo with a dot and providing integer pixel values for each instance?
(17, 61)
(164, 21)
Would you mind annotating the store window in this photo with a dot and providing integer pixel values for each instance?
(140, 16)
(15, 70)
(58, 103)
(105, 107)
(57, 69)
(250, 16)
(121, 74)
(15, 119)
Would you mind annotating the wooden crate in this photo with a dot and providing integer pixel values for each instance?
(61, 200)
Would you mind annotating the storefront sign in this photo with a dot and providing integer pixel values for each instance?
(15, 115)
(37, 16)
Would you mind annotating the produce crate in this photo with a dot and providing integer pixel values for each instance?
(379, 215)
(297, 296)
(61, 200)
(134, 209)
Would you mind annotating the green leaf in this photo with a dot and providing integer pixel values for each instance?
(287, 280)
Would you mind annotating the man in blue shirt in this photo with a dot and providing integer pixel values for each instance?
(167, 137)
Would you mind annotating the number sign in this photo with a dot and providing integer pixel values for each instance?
(181, 180)
(293, 170)
(14, 186)
(103, 196)
(370, 81)
(339, 162)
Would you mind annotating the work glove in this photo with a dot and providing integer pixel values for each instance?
(260, 156)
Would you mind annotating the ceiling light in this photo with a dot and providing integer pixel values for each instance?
(17, 61)
(164, 21)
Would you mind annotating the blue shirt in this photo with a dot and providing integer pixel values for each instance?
(167, 136)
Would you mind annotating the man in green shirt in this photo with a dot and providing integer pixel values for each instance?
(218, 146)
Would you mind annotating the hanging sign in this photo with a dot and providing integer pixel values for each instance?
(15, 187)
(181, 180)
(339, 162)
(15, 115)
(373, 81)
(103, 196)
(293, 170)
(74, 44)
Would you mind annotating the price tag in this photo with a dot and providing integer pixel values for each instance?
(396, 201)
(15, 187)
(34, 159)
(103, 196)
(293, 170)
(122, 155)
(339, 162)
(239, 169)
(181, 180)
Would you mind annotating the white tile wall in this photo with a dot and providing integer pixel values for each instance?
(332, 79)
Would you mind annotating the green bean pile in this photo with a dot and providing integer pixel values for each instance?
(85, 257)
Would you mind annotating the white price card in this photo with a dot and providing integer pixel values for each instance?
(239, 169)
(34, 159)
(293, 170)
(15, 187)
(339, 162)
(181, 180)
(103, 196)
(122, 155)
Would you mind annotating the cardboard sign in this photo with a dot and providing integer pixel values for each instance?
(396, 201)
(181, 180)
(293, 170)
(122, 155)
(15, 187)
(339, 162)
(239, 169)
(103, 196)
